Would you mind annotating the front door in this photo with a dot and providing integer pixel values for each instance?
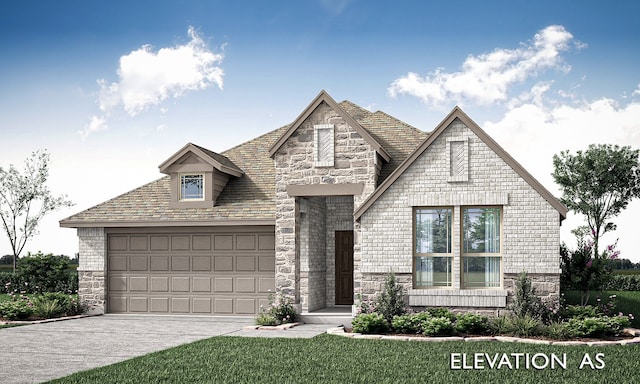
(344, 267)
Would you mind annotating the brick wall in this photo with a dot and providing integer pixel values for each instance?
(530, 237)
(92, 267)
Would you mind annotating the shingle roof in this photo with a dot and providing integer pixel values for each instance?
(249, 198)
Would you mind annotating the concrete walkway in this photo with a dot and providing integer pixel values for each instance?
(41, 352)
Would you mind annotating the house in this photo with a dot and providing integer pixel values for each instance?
(321, 210)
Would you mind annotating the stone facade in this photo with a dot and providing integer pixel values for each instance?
(92, 267)
(530, 225)
(354, 162)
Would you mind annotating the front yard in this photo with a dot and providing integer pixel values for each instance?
(334, 359)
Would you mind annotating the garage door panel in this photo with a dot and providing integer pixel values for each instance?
(266, 284)
(201, 263)
(246, 263)
(223, 284)
(201, 305)
(159, 263)
(180, 305)
(117, 283)
(159, 284)
(245, 284)
(180, 273)
(138, 263)
(118, 263)
(160, 304)
(138, 304)
(179, 284)
(201, 284)
(246, 306)
(138, 283)
(223, 263)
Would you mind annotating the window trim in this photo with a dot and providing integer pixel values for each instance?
(180, 181)
(464, 255)
(330, 160)
(415, 255)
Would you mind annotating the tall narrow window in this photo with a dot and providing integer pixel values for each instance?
(323, 136)
(432, 247)
(191, 187)
(481, 251)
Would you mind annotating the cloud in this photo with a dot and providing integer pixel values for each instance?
(488, 78)
(637, 91)
(533, 131)
(147, 78)
(97, 123)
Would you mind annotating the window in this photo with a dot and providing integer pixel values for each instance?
(191, 187)
(432, 248)
(324, 145)
(481, 251)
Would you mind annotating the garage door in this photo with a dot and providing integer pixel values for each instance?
(190, 273)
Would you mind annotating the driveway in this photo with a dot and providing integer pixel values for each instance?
(41, 352)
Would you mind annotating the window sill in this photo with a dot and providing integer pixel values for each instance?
(458, 297)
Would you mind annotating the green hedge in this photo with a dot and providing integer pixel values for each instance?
(623, 283)
(38, 273)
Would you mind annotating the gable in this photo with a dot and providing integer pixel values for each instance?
(458, 114)
(323, 97)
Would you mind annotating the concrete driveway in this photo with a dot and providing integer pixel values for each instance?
(40, 352)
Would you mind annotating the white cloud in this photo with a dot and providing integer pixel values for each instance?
(488, 78)
(147, 78)
(637, 91)
(532, 132)
(97, 123)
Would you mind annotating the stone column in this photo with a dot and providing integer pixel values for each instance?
(92, 272)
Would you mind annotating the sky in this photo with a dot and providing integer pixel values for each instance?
(111, 89)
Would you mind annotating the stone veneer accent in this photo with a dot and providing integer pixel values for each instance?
(530, 236)
(355, 162)
(92, 267)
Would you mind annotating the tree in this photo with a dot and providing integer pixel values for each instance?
(25, 199)
(598, 183)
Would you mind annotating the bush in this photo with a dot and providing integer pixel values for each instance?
(46, 273)
(280, 311)
(391, 300)
(597, 326)
(370, 323)
(470, 323)
(441, 312)
(410, 323)
(500, 325)
(526, 325)
(47, 308)
(17, 309)
(581, 312)
(525, 301)
(556, 330)
(623, 283)
(437, 326)
(10, 283)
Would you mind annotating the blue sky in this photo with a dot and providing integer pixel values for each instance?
(112, 89)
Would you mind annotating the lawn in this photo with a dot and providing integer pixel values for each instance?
(335, 359)
(626, 302)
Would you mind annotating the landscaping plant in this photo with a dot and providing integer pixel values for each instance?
(279, 311)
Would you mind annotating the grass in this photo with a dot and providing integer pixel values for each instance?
(334, 359)
(626, 302)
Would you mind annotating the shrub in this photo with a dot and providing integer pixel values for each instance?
(441, 312)
(525, 325)
(47, 308)
(581, 312)
(410, 323)
(525, 301)
(10, 283)
(391, 300)
(468, 323)
(622, 283)
(597, 326)
(18, 309)
(437, 326)
(557, 330)
(279, 311)
(47, 273)
(370, 323)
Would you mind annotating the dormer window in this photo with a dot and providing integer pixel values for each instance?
(192, 187)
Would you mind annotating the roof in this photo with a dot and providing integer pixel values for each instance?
(457, 113)
(250, 198)
(216, 160)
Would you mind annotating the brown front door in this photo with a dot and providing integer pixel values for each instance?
(344, 267)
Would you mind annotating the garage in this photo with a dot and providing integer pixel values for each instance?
(227, 271)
